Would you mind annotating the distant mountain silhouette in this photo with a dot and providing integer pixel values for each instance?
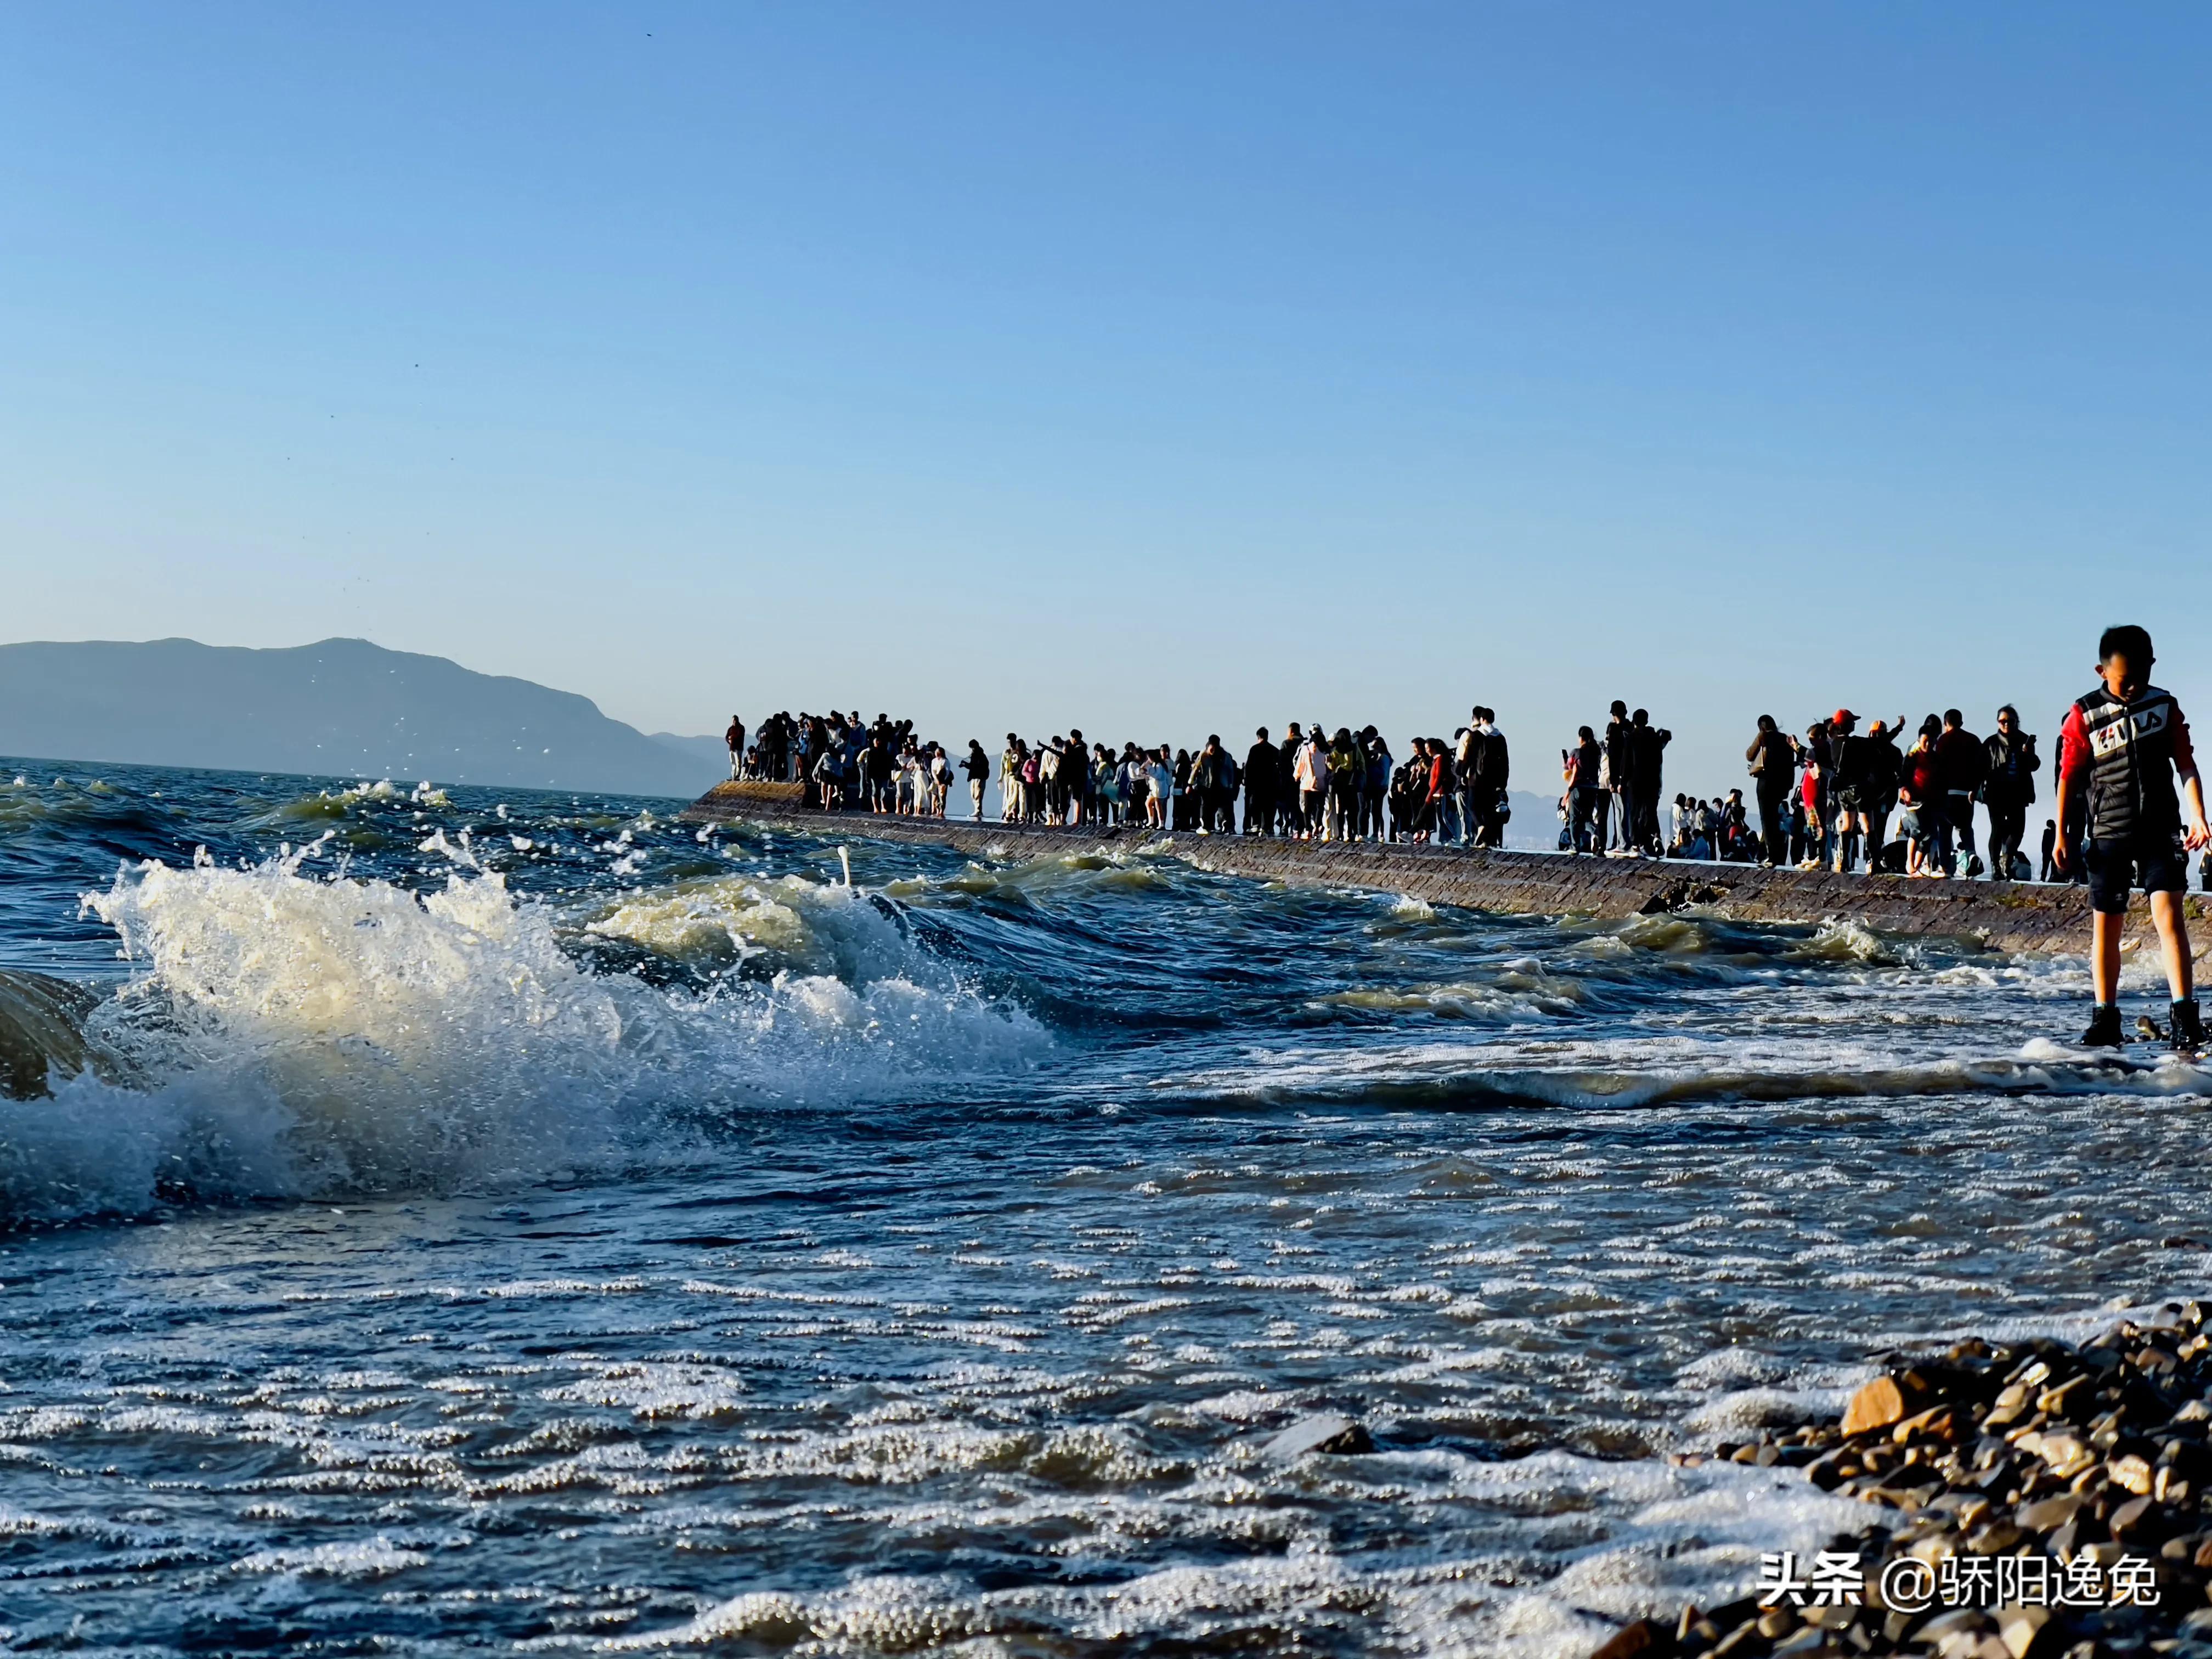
(340, 708)
(710, 752)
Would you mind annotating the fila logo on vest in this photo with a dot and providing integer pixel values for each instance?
(2119, 729)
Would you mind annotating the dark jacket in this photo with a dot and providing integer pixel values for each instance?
(1852, 761)
(1493, 766)
(1263, 768)
(1772, 761)
(1961, 761)
(2009, 779)
(1649, 760)
(1620, 752)
(1885, 771)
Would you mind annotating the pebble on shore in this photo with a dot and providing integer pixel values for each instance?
(2091, 1454)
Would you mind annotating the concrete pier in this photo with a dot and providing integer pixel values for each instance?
(2009, 916)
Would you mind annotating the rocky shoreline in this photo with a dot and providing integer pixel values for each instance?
(2043, 1499)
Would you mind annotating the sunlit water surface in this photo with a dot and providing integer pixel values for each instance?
(519, 1222)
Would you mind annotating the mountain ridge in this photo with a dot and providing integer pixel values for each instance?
(338, 708)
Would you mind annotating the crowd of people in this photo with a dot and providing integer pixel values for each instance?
(1826, 800)
(1311, 785)
(1834, 797)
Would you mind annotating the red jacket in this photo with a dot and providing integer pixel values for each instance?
(1921, 770)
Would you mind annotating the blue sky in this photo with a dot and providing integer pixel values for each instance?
(1158, 369)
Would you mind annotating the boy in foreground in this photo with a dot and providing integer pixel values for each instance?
(2122, 747)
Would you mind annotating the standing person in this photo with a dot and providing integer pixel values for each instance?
(1440, 789)
(1347, 777)
(809, 753)
(1582, 769)
(977, 766)
(2009, 789)
(1818, 757)
(856, 740)
(1772, 760)
(1009, 782)
(1075, 775)
(1048, 758)
(1849, 791)
(1467, 762)
(1406, 790)
(2122, 747)
(829, 777)
(1106, 784)
(1379, 784)
(1206, 781)
(1288, 804)
(1311, 773)
(940, 778)
(1032, 783)
(906, 780)
(1923, 821)
(1466, 753)
(873, 788)
(1159, 781)
(735, 737)
(1647, 765)
(1493, 775)
(1619, 778)
(2049, 871)
(1963, 764)
(1878, 792)
(1259, 763)
(1961, 761)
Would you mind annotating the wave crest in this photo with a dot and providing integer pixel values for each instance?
(303, 1035)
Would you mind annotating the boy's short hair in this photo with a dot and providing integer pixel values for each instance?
(2125, 640)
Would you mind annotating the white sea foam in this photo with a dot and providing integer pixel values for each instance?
(796, 924)
(303, 1035)
(1638, 1563)
(372, 1558)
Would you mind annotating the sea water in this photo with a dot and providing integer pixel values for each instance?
(519, 1222)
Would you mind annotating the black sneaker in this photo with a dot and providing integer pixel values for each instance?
(2188, 1027)
(2103, 1030)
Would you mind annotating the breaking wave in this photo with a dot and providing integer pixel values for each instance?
(304, 1035)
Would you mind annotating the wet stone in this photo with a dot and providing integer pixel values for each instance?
(2083, 1454)
(1329, 1435)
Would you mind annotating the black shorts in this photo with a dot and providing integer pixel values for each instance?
(2153, 860)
